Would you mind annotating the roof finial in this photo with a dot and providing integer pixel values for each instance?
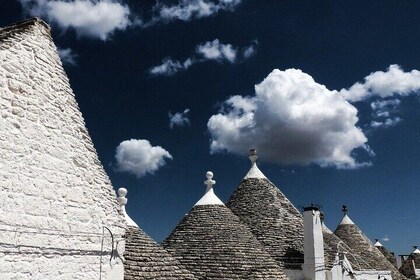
(209, 182)
(122, 200)
(253, 156)
(345, 210)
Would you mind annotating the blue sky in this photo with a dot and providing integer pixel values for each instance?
(327, 91)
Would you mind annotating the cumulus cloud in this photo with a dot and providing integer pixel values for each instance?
(139, 157)
(187, 10)
(67, 56)
(291, 119)
(179, 119)
(384, 84)
(90, 18)
(211, 50)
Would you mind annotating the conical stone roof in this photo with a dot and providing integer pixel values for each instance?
(212, 243)
(271, 217)
(336, 245)
(143, 257)
(361, 245)
(388, 255)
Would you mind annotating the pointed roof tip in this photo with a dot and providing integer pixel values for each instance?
(122, 200)
(254, 172)
(346, 221)
(209, 198)
(377, 243)
(416, 250)
(325, 228)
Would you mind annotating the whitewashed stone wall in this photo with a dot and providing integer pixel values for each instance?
(55, 196)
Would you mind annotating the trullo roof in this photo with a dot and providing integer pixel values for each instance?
(361, 245)
(271, 217)
(212, 243)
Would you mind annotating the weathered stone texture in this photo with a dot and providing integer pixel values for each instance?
(55, 196)
(272, 218)
(212, 243)
(145, 259)
(361, 245)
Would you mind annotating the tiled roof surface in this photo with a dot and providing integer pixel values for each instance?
(390, 257)
(212, 243)
(361, 245)
(272, 218)
(145, 259)
(335, 245)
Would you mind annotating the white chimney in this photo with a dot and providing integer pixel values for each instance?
(314, 263)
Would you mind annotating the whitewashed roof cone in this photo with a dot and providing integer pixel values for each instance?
(346, 220)
(416, 250)
(377, 243)
(209, 198)
(122, 200)
(254, 172)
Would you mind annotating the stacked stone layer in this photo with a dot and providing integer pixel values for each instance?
(272, 218)
(212, 243)
(145, 259)
(361, 245)
(55, 196)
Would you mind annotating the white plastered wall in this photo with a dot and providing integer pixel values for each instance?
(55, 197)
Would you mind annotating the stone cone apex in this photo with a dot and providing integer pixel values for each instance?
(212, 243)
(209, 198)
(270, 216)
(254, 172)
(360, 244)
(333, 245)
(377, 243)
(122, 200)
(50, 166)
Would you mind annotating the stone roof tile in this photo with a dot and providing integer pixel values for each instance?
(212, 243)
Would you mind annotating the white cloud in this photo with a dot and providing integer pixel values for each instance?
(251, 50)
(216, 51)
(169, 67)
(384, 84)
(67, 56)
(139, 157)
(179, 119)
(388, 122)
(385, 238)
(291, 119)
(187, 10)
(211, 50)
(90, 18)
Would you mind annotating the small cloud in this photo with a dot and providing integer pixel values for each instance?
(211, 50)
(96, 19)
(179, 119)
(67, 56)
(384, 84)
(385, 123)
(169, 67)
(187, 10)
(139, 157)
(251, 50)
(216, 51)
(385, 238)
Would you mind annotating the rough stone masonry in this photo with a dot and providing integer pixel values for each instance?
(57, 205)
